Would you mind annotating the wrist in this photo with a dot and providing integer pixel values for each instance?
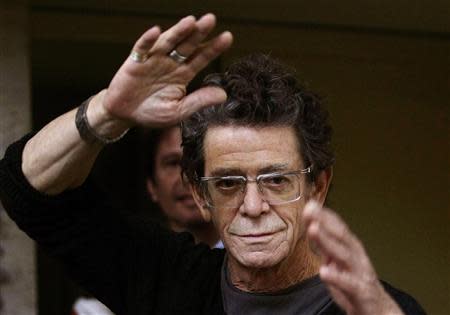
(102, 123)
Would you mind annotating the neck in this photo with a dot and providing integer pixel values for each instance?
(203, 232)
(299, 266)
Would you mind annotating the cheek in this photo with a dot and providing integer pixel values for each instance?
(221, 221)
(292, 217)
(167, 175)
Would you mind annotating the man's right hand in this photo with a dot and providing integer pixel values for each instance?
(153, 93)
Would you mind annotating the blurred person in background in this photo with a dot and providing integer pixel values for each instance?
(168, 190)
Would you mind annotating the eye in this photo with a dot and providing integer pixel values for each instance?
(227, 184)
(173, 162)
(276, 181)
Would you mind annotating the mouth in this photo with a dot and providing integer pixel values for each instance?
(256, 235)
(257, 239)
(186, 200)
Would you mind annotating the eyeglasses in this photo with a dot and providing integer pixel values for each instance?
(275, 188)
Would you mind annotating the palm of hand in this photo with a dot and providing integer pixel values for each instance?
(147, 94)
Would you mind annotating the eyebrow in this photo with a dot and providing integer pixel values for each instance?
(279, 167)
(226, 172)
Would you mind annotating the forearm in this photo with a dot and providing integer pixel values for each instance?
(148, 92)
(57, 159)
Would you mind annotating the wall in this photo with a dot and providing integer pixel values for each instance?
(17, 261)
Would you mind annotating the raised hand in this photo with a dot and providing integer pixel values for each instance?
(150, 87)
(346, 268)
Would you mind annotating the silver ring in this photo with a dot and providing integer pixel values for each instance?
(177, 57)
(138, 57)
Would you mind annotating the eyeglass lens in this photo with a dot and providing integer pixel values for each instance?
(229, 192)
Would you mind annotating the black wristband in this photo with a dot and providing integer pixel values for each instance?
(87, 133)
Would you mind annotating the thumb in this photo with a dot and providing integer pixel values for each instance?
(206, 96)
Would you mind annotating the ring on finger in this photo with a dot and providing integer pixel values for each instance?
(138, 57)
(177, 57)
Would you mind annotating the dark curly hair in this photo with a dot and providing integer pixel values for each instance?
(260, 92)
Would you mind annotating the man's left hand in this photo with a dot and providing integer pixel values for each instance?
(346, 268)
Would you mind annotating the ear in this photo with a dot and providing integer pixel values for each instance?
(321, 185)
(201, 203)
(151, 189)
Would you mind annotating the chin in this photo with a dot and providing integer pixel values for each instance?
(187, 216)
(261, 259)
(193, 218)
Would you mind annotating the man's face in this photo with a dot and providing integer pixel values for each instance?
(256, 234)
(167, 189)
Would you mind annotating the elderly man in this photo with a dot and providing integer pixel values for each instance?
(259, 165)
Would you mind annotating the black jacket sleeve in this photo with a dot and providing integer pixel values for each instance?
(407, 303)
(92, 239)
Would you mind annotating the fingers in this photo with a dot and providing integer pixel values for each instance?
(147, 40)
(210, 50)
(331, 225)
(202, 29)
(338, 279)
(335, 241)
(201, 98)
(186, 37)
(174, 35)
(330, 220)
(329, 246)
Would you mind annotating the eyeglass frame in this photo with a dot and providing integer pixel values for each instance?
(256, 180)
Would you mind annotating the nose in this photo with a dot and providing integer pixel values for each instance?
(181, 184)
(254, 205)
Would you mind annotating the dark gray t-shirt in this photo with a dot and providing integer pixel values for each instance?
(306, 298)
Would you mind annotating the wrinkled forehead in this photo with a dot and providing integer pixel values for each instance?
(251, 149)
